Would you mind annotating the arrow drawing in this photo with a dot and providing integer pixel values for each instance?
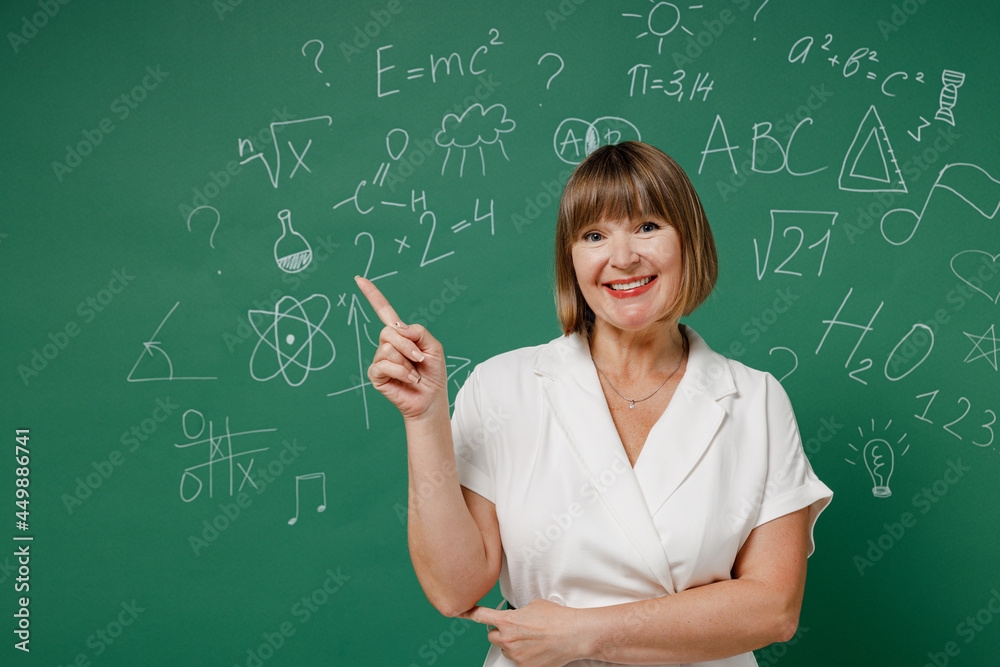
(354, 318)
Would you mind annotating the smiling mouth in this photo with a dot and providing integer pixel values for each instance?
(623, 286)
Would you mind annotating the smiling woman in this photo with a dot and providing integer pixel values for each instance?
(697, 550)
(636, 183)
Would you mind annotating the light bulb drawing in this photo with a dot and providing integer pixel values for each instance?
(662, 20)
(879, 461)
(879, 458)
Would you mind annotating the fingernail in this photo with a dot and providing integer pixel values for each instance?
(418, 355)
(414, 378)
(400, 325)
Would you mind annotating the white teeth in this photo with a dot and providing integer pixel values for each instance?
(632, 285)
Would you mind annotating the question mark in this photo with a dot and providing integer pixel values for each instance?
(318, 54)
(218, 219)
(758, 12)
(561, 65)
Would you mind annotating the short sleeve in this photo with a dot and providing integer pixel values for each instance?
(791, 483)
(475, 457)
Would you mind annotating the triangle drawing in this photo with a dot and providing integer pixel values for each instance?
(870, 164)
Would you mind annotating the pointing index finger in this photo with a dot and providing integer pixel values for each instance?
(381, 305)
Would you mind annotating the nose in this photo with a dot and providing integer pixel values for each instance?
(623, 254)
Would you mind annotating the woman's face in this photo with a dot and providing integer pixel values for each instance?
(629, 271)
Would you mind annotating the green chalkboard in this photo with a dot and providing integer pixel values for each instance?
(191, 186)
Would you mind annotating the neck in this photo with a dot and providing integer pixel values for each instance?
(636, 354)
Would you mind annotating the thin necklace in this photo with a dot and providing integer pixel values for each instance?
(633, 401)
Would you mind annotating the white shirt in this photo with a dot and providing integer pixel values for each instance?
(579, 526)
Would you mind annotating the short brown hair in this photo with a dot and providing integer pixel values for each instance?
(632, 180)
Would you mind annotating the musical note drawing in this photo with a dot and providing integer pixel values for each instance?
(152, 344)
(299, 478)
(974, 179)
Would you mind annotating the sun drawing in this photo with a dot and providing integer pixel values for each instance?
(662, 20)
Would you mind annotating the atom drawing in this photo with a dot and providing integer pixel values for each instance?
(299, 345)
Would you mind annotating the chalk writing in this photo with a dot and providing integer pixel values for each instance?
(436, 64)
(879, 458)
(297, 343)
(572, 147)
(152, 345)
(988, 353)
(866, 166)
(246, 146)
(661, 21)
(805, 218)
(978, 189)
(193, 424)
(477, 126)
(987, 426)
(292, 252)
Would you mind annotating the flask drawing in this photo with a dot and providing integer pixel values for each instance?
(291, 251)
(879, 459)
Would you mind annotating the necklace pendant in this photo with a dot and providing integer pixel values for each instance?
(631, 404)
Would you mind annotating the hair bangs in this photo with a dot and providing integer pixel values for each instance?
(610, 188)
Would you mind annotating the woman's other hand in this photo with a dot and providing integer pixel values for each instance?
(409, 366)
(540, 634)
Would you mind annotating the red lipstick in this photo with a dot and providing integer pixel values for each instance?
(625, 294)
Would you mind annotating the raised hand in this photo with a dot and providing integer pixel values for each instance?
(409, 367)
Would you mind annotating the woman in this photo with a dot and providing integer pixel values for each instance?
(642, 499)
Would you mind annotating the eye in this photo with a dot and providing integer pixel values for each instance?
(648, 227)
(593, 237)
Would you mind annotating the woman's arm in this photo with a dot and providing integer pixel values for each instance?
(453, 533)
(760, 605)
(454, 537)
